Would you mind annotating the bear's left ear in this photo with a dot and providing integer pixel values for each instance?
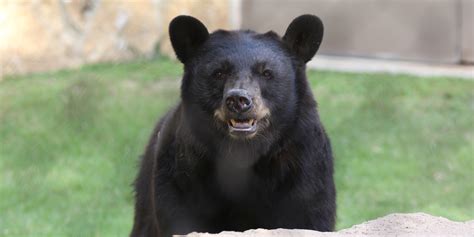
(187, 34)
(304, 35)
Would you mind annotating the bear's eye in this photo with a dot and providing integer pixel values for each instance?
(267, 74)
(218, 74)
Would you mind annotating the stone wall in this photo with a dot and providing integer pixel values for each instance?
(40, 35)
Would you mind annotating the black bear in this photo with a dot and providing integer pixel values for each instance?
(245, 147)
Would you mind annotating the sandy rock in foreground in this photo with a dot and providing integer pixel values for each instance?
(416, 224)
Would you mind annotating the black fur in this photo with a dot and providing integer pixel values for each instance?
(186, 35)
(304, 35)
(194, 176)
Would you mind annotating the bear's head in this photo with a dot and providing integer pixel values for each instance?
(242, 83)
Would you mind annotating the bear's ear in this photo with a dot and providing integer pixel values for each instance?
(304, 35)
(187, 34)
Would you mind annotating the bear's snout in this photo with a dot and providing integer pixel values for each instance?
(238, 101)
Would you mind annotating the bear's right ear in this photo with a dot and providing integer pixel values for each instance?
(187, 34)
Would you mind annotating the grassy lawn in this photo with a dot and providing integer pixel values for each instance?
(69, 143)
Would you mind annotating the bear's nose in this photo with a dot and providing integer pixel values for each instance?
(238, 101)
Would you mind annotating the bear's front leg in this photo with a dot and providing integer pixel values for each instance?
(183, 206)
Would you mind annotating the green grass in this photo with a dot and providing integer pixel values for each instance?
(69, 143)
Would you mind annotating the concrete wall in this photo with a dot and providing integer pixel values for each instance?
(423, 30)
(467, 24)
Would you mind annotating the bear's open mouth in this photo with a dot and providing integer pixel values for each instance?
(242, 125)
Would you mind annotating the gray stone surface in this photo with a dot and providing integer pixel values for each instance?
(367, 65)
(406, 225)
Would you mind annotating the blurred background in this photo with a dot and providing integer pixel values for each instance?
(40, 35)
(82, 83)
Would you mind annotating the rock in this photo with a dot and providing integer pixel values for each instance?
(416, 224)
(44, 35)
(407, 225)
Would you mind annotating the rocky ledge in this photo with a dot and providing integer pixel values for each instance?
(416, 224)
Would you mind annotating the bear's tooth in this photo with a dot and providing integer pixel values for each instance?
(233, 122)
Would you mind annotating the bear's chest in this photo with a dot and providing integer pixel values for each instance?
(234, 174)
